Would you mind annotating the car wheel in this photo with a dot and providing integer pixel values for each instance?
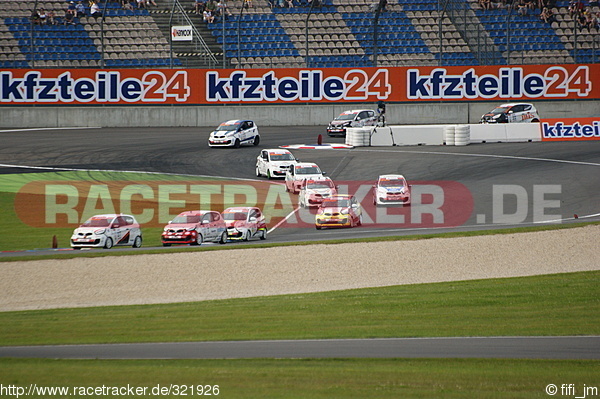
(223, 238)
(318, 227)
(76, 248)
(534, 121)
(247, 235)
(359, 221)
(108, 243)
(263, 236)
(137, 243)
(256, 140)
(237, 143)
(199, 240)
(257, 172)
(269, 174)
(166, 245)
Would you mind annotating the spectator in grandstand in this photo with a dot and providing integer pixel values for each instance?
(547, 15)
(223, 9)
(51, 17)
(208, 17)
(211, 6)
(522, 7)
(71, 8)
(95, 10)
(141, 3)
(80, 9)
(42, 16)
(198, 6)
(151, 2)
(575, 7)
(35, 17)
(289, 3)
(588, 19)
(485, 4)
(68, 19)
(126, 5)
(247, 3)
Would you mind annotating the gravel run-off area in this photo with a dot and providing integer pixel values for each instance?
(237, 273)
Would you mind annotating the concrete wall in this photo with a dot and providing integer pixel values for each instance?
(265, 115)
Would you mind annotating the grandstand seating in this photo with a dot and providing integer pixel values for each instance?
(340, 33)
(131, 38)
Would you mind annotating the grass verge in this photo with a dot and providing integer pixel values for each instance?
(311, 378)
(557, 304)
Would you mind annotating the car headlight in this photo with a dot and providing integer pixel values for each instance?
(190, 229)
(100, 231)
(344, 211)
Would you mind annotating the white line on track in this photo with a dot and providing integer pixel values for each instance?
(485, 156)
(49, 128)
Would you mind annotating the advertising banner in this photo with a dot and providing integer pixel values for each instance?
(570, 129)
(284, 86)
(181, 33)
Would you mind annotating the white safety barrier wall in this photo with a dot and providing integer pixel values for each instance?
(455, 134)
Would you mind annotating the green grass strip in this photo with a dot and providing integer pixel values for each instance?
(310, 378)
(558, 304)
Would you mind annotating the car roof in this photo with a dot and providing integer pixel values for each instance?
(356, 111)
(240, 209)
(391, 176)
(277, 150)
(305, 165)
(513, 104)
(234, 121)
(193, 212)
(108, 215)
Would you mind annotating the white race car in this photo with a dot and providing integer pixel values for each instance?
(105, 231)
(246, 222)
(274, 163)
(313, 192)
(353, 118)
(234, 133)
(511, 113)
(299, 172)
(391, 189)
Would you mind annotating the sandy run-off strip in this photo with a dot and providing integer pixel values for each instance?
(199, 276)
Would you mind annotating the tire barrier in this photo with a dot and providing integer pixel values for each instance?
(359, 137)
(462, 135)
(449, 134)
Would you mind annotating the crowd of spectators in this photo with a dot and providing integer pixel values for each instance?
(584, 15)
(211, 9)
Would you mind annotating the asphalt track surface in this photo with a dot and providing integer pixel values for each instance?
(484, 347)
(573, 167)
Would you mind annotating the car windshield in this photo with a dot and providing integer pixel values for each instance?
(186, 219)
(319, 185)
(308, 170)
(499, 110)
(392, 183)
(97, 222)
(341, 203)
(345, 117)
(228, 126)
(235, 216)
(282, 157)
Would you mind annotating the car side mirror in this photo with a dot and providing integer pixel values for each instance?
(253, 220)
(323, 173)
(115, 226)
(205, 222)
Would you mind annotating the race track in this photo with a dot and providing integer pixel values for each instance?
(554, 181)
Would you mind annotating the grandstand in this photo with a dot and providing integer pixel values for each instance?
(339, 34)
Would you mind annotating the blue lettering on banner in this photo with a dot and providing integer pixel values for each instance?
(105, 87)
(560, 130)
(511, 82)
